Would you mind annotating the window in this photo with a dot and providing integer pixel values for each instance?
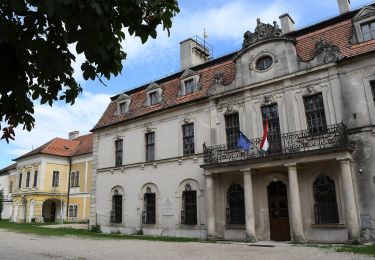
(118, 152)
(122, 108)
(153, 98)
(20, 181)
(149, 213)
(74, 179)
(10, 187)
(150, 146)
(264, 63)
(372, 84)
(314, 109)
(27, 179)
(55, 179)
(189, 86)
(116, 213)
(35, 179)
(368, 31)
(73, 211)
(270, 112)
(189, 206)
(188, 138)
(325, 200)
(236, 205)
(232, 129)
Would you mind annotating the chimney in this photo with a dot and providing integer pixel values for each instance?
(73, 135)
(344, 6)
(193, 52)
(287, 23)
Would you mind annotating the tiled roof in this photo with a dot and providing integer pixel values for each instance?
(64, 147)
(336, 31)
(8, 168)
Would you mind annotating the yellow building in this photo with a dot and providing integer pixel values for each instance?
(53, 181)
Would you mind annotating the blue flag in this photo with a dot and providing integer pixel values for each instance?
(243, 142)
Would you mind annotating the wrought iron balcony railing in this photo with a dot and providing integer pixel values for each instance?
(333, 136)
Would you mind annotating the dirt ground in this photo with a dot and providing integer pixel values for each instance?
(23, 246)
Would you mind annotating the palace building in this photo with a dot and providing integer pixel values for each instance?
(166, 158)
(51, 183)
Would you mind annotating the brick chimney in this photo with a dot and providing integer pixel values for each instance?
(344, 6)
(287, 23)
(73, 135)
(193, 53)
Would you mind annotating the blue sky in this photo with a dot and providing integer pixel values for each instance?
(224, 20)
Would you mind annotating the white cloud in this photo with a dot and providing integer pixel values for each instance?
(58, 120)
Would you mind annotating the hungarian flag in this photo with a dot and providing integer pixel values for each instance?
(264, 145)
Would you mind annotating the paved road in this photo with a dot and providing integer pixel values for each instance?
(22, 246)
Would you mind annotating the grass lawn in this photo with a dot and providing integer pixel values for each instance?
(38, 229)
(365, 250)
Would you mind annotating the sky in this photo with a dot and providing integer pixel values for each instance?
(225, 21)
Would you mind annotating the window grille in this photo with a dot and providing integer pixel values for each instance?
(188, 139)
(325, 200)
(189, 206)
(232, 128)
(235, 212)
(116, 213)
(315, 115)
(149, 213)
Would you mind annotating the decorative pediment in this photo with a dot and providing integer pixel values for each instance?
(152, 86)
(188, 73)
(261, 32)
(327, 51)
(364, 13)
(123, 97)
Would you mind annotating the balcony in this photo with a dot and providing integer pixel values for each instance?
(289, 144)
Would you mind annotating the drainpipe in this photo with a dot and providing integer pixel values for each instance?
(68, 194)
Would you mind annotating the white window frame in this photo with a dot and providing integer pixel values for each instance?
(74, 210)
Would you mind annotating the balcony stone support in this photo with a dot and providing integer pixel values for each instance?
(249, 205)
(295, 204)
(211, 233)
(351, 213)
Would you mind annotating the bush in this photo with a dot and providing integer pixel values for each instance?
(96, 229)
(140, 232)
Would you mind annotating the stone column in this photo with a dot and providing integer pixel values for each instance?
(351, 214)
(249, 205)
(295, 204)
(210, 206)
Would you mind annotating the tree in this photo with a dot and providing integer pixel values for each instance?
(1, 202)
(34, 48)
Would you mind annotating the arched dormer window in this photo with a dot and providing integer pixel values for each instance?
(325, 200)
(123, 104)
(235, 212)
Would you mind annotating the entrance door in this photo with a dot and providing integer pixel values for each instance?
(278, 211)
(53, 211)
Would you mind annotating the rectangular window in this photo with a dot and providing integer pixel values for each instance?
(153, 98)
(189, 86)
(315, 116)
(74, 179)
(372, 84)
(55, 179)
(122, 108)
(20, 181)
(10, 187)
(27, 179)
(149, 213)
(232, 129)
(150, 146)
(73, 211)
(189, 207)
(188, 138)
(118, 152)
(271, 113)
(35, 179)
(368, 31)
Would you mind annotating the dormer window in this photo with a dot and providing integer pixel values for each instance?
(153, 98)
(189, 82)
(153, 94)
(368, 31)
(123, 104)
(189, 86)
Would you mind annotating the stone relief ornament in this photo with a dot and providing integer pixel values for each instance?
(261, 32)
(218, 77)
(268, 99)
(327, 51)
(310, 90)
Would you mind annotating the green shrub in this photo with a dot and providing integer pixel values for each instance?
(96, 229)
(140, 232)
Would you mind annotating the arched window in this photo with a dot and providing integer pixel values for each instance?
(116, 212)
(149, 207)
(325, 200)
(189, 206)
(235, 213)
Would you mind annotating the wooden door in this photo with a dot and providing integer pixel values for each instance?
(278, 211)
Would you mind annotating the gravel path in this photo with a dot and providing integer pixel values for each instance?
(23, 246)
